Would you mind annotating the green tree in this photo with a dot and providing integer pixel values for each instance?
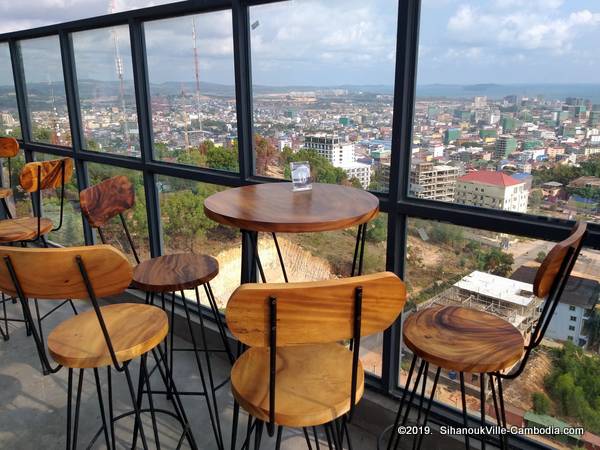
(377, 229)
(224, 158)
(265, 152)
(496, 262)
(541, 403)
(591, 329)
(540, 256)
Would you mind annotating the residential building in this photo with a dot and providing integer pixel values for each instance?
(333, 148)
(505, 145)
(489, 189)
(434, 182)
(578, 299)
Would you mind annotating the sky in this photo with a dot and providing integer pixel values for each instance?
(335, 42)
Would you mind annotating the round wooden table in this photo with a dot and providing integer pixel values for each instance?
(275, 208)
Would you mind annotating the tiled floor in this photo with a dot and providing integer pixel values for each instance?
(33, 407)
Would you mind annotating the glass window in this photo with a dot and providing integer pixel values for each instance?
(571, 328)
(328, 255)
(20, 15)
(327, 97)
(9, 112)
(573, 318)
(71, 231)
(507, 104)
(136, 218)
(46, 91)
(186, 229)
(448, 264)
(192, 88)
(571, 308)
(106, 90)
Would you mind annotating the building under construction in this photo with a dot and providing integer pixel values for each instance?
(434, 182)
(509, 299)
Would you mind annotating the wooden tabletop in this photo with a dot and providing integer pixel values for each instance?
(274, 207)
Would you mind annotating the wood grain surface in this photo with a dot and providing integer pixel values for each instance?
(134, 329)
(9, 147)
(463, 339)
(105, 200)
(550, 267)
(53, 273)
(23, 229)
(312, 388)
(51, 174)
(275, 207)
(314, 312)
(175, 272)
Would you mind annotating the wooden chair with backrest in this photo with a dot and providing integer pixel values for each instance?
(462, 339)
(164, 275)
(296, 373)
(9, 148)
(104, 336)
(35, 178)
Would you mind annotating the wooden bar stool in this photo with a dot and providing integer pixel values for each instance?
(9, 148)
(107, 336)
(35, 178)
(295, 372)
(164, 276)
(468, 340)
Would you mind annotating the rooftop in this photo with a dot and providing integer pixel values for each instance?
(490, 177)
(579, 291)
(494, 286)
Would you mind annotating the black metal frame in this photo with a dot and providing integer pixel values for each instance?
(47, 369)
(396, 202)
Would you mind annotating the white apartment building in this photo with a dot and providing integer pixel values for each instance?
(340, 154)
(489, 189)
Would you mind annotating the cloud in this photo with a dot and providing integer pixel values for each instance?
(538, 25)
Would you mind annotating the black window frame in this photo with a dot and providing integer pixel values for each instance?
(397, 203)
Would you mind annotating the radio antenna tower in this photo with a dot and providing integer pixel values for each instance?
(197, 72)
(119, 67)
(55, 133)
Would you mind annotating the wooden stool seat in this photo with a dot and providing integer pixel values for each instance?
(176, 272)
(463, 339)
(313, 383)
(5, 192)
(134, 329)
(23, 229)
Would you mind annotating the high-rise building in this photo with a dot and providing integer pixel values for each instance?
(340, 154)
(434, 182)
(451, 134)
(480, 102)
(489, 189)
(508, 124)
(505, 145)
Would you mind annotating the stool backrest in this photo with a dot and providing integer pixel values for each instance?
(9, 147)
(107, 199)
(42, 175)
(314, 312)
(54, 273)
(552, 276)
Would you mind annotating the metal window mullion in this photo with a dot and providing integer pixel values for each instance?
(75, 123)
(144, 116)
(404, 85)
(20, 89)
(243, 88)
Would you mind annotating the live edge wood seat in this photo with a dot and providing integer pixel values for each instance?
(175, 272)
(134, 329)
(23, 228)
(5, 192)
(313, 383)
(463, 339)
(313, 370)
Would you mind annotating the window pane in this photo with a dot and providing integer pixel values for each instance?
(453, 265)
(328, 255)
(192, 87)
(24, 15)
(106, 90)
(186, 229)
(327, 97)
(9, 112)
(46, 91)
(71, 231)
(507, 113)
(136, 218)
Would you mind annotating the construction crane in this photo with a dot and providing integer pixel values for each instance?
(197, 72)
(119, 68)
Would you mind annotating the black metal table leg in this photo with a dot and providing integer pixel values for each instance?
(464, 407)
